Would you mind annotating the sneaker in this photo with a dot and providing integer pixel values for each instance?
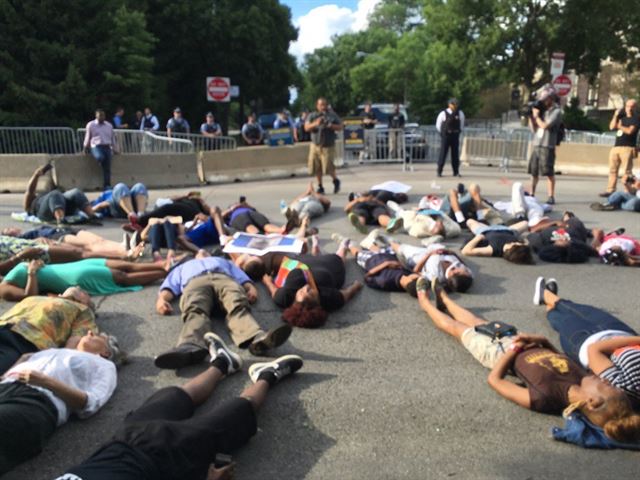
(355, 221)
(336, 237)
(602, 207)
(552, 285)
(281, 367)
(336, 185)
(320, 189)
(605, 194)
(383, 240)
(395, 224)
(217, 349)
(617, 231)
(126, 241)
(551, 201)
(266, 341)
(370, 240)
(461, 189)
(283, 206)
(538, 291)
(422, 285)
(436, 288)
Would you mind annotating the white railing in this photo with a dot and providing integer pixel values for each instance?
(204, 143)
(52, 140)
(138, 141)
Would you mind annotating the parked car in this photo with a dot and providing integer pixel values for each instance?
(415, 140)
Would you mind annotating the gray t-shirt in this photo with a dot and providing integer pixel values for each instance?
(548, 137)
(324, 136)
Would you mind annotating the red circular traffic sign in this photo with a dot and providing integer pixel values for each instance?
(562, 84)
(219, 89)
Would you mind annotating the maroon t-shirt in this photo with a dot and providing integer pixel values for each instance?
(548, 376)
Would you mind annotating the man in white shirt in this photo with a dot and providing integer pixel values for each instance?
(100, 141)
(450, 123)
(149, 121)
(43, 389)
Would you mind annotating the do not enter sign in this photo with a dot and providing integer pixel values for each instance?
(218, 89)
(562, 84)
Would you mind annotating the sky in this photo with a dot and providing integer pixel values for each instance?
(318, 20)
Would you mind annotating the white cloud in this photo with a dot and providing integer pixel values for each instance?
(316, 28)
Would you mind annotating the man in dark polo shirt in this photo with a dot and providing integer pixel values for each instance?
(626, 124)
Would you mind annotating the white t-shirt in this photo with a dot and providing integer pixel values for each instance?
(625, 244)
(90, 373)
(596, 337)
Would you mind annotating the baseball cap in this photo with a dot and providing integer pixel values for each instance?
(209, 114)
(177, 110)
(453, 100)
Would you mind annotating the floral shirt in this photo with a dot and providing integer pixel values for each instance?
(48, 322)
(10, 246)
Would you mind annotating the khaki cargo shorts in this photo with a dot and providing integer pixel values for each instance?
(321, 160)
(482, 348)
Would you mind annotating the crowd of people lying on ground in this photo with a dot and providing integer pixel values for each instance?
(55, 362)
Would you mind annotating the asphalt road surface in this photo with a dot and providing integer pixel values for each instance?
(382, 394)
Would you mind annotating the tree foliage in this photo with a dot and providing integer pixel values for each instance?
(60, 59)
(460, 47)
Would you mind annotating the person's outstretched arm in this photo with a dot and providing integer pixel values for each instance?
(271, 287)
(74, 398)
(30, 193)
(599, 353)
(471, 249)
(163, 303)
(350, 292)
(505, 388)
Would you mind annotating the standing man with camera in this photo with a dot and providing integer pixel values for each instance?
(450, 123)
(544, 122)
(626, 124)
(323, 125)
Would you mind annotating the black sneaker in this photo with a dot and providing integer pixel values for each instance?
(602, 207)
(351, 196)
(461, 189)
(275, 337)
(538, 291)
(281, 367)
(436, 288)
(605, 194)
(181, 356)
(552, 286)
(320, 189)
(219, 349)
(336, 185)
(551, 201)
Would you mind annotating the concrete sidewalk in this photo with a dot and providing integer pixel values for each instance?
(383, 394)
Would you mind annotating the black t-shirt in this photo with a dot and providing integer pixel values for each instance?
(497, 239)
(396, 120)
(548, 376)
(575, 231)
(387, 279)
(624, 140)
(116, 460)
(370, 116)
(328, 272)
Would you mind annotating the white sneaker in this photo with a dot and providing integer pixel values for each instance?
(370, 240)
(538, 291)
(217, 348)
(431, 240)
(394, 206)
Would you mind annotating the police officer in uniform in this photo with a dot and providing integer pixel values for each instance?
(450, 123)
(177, 124)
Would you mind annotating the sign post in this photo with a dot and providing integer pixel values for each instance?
(218, 89)
(562, 84)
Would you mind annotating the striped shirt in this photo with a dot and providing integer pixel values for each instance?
(625, 373)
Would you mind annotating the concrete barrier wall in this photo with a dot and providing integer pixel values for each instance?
(583, 159)
(253, 163)
(154, 170)
(16, 170)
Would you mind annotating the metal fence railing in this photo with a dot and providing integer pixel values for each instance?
(204, 143)
(52, 140)
(144, 142)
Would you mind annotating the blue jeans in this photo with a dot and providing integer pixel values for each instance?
(102, 154)
(163, 235)
(625, 201)
(575, 323)
(466, 205)
(121, 191)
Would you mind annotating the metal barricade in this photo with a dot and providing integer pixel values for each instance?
(139, 141)
(204, 143)
(381, 145)
(52, 140)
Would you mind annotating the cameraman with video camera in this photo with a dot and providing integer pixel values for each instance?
(323, 125)
(544, 122)
(626, 123)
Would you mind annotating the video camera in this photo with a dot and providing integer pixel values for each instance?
(527, 110)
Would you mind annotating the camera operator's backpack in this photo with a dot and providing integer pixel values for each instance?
(562, 134)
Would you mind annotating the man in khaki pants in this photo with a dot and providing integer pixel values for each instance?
(323, 125)
(626, 122)
(203, 284)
